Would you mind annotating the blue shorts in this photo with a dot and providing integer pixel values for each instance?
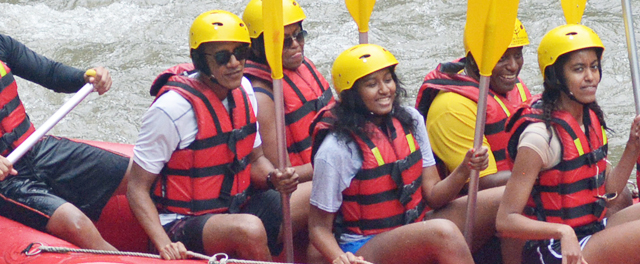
(354, 246)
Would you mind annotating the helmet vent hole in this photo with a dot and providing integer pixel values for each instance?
(217, 24)
(364, 57)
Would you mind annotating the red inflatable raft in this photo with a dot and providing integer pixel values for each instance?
(117, 225)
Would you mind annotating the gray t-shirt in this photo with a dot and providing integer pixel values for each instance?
(337, 162)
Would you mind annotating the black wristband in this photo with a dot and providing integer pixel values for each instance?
(269, 183)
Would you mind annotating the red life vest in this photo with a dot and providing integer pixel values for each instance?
(499, 107)
(386, 193)
(305, 93)
(567, 193)
(212, 173)
(15, 126)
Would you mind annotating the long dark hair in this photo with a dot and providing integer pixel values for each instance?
(351, 114)
(555, 84)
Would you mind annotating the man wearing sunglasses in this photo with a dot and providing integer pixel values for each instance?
(305, 92)
(200, 180)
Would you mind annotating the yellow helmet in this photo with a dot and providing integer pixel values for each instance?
(358, 61)
(520, 37)
(216, 26)
(565, 39)
(291, 11)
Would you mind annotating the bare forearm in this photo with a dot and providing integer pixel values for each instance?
(617, 178)
(519, 226)
(446, 190)
(145, 211)
(142, 206)
(305, 172)
(499, 178)
(321, 236)
(260, 168)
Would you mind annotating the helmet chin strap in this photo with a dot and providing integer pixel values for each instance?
(569, 94)
(213, 79)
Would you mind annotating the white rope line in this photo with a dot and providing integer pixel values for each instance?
(219, 258)
(49, 249)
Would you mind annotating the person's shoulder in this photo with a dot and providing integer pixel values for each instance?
(6, 46)
(538, 128)
(415, 114)
(334, 141)
(172, 103)
(452, 100)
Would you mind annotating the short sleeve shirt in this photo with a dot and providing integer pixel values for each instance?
(336, 163)
(170, 124)
(451, 123)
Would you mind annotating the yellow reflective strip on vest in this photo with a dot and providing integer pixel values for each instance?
(504, 107)
(376, 153)
(578, 146)
(412, 146)
(604, 136)
(3, 71)
(523, 94)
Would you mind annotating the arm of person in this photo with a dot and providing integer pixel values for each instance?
(284, 182)
(511, 223)
(336, 164)
(167, 119)
(138, 189)
(439, 193)
(321, 236)
(499, 178)
(617, 177)
(6, 168)
(451, 127)
(268, 129)
(53, 75)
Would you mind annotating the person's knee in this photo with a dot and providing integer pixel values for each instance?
(70, 222)
(444, 230)
(250, 229)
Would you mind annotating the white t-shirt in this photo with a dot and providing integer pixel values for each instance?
(336, 164)
(170, 124)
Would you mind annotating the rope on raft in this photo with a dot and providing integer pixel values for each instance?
(219, 258)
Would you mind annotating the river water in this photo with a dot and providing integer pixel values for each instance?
(137, 39)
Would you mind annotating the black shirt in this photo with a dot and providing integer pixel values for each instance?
(31, 66)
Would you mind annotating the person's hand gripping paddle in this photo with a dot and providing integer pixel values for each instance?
(17, 153)
(488, 31)
(273, 44)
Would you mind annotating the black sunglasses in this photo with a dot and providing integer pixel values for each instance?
(288, 41)
(224, 56)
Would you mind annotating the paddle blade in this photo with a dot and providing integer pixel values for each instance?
(273, 35)
(573, 10)
(361, 10)
(489, 30)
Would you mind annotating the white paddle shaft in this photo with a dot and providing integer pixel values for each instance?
(50, 123)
